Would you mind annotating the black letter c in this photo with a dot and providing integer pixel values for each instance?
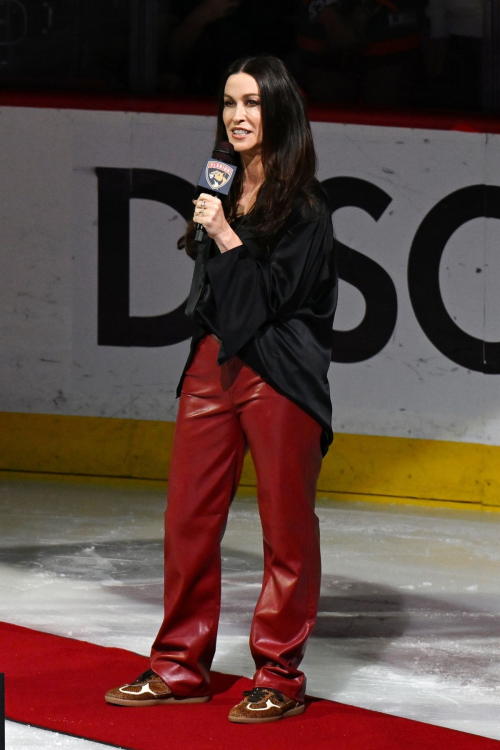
(426, 251)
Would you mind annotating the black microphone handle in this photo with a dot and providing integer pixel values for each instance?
(200, 229)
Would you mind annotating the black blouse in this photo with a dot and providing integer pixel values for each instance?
(273, 307)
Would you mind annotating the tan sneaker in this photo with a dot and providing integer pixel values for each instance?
(264, 704)
(148, 690)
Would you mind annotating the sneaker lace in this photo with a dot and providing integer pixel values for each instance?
(147, 675)
(259, 693)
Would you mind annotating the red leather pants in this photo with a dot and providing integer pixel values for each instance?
(222, 411)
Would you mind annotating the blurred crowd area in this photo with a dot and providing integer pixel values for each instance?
(370, 53)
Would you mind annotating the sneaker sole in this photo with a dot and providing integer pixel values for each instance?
(243, 720)
(155, 701)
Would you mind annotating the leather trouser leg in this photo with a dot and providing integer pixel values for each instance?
(205, 468)
(285, 446)
(221, 410)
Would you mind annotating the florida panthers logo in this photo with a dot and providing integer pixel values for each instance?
(218, 174)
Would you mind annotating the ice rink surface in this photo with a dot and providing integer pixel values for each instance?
(409, 620)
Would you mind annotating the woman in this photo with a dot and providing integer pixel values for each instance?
(256, 377)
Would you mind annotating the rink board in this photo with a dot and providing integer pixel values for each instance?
(357, 467)
(92, 288)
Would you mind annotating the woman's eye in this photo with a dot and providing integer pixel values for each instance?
(253, 102)
(227, 103)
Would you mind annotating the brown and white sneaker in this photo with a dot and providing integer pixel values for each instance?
(264, 704)
(148, 690)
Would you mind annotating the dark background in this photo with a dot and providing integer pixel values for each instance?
(360, 53)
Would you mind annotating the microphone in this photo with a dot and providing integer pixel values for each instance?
(216, 176)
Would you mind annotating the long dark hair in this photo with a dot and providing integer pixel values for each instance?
(288, 155)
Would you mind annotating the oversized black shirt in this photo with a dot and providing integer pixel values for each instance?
(273, 307)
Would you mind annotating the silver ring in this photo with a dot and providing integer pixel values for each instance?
(202, 204)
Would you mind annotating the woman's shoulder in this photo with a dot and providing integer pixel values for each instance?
(311, 204)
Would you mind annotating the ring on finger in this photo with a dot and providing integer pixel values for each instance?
(202, 204)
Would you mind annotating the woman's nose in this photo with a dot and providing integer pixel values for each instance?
(239, 111)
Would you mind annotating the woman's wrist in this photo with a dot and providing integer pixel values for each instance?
(227, 240)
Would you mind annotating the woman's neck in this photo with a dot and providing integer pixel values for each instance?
(253, 170)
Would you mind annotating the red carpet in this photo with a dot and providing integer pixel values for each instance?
(58, 683)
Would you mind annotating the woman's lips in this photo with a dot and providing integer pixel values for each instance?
(240, 135)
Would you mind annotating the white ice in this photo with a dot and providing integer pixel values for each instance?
(409, 615)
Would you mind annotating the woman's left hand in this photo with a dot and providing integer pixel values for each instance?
(209, 212)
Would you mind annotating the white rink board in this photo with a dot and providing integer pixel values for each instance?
(51, 362)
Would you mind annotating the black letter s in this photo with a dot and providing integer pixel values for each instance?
(374, 283)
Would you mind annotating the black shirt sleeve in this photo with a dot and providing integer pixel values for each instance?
(252, 287)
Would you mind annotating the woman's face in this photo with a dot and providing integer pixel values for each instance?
(242, 113)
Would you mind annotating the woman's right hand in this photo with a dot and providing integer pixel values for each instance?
(213, 10)
(210, 213)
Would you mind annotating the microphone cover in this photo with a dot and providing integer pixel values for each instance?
(218, 173)
(224, 151)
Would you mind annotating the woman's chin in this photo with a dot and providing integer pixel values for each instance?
(246, 149)
(242, 145)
